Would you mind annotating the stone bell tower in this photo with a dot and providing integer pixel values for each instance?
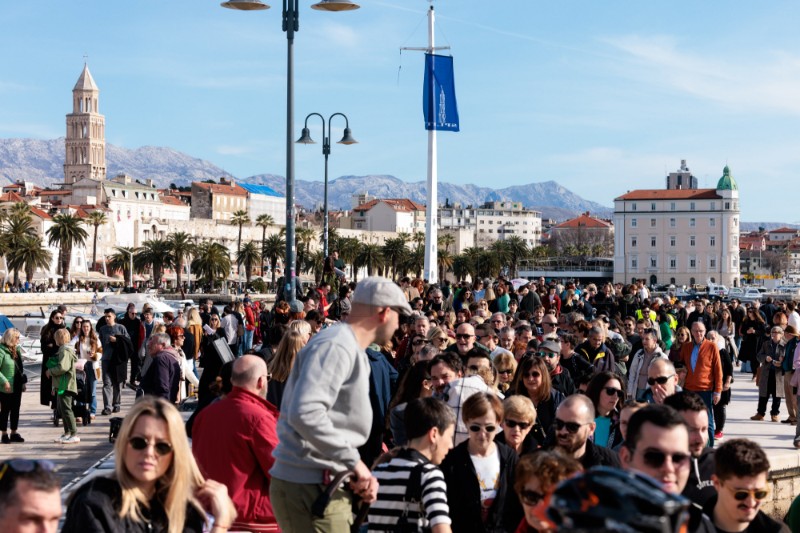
(86, 133)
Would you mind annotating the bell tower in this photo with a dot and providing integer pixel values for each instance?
(86, 133)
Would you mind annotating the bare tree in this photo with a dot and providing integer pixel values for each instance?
(583, 242)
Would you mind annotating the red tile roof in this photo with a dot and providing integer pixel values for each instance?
(11, 197)
(784, 230)
(398, 204)
(53, 193)
(41, 213)
(670, 194)
(172, 200)
(584, 221)
(218, 188)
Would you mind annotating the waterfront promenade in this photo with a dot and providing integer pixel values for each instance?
(73, 461)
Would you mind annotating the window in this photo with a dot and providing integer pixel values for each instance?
(712, 263)
(713, 206)
(692, 262)
(733, 262)
(633, 222)
(652, 242)
(633, 206)
(652, 223)
(634, 262)
(634, 242)
(672, 240)
(712, 241)
(691, 206)
(653, 262)
(672, 223)
(672, 206)
(673, 262)
(692, 222)
(712, 222)
(727, 205)
(691, 240)
(653, 206)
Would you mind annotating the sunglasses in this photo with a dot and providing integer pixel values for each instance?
(548, 355)
(572, 427)
(474, 368)
(58, 318)
(530, 498)
(661, 380)
(507, 371)
(533, 375)
(550, 324)
(742, 494)
(613, 391)
(419, 342)
(464, 336)
(475, 428)
(25, 466)
(513, 424)
(140, 443)
(656, 458)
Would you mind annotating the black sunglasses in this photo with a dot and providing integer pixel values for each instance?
(25, 466)
(464, 336)
(661, 380)
(140, 443)
(572, 427)
(611, 391)
(530, 498)
(547, 355)
(507, 371)
(656, 458)
(513, 424)
(475, 428)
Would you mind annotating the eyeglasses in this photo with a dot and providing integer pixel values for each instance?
(613, 391)
(419, 342)
(58, 318)
(531, 498)
(547, 355)
(533, 375)
(464, 336)
(476, 428)
(507, 371)
(661, 380)
(742, 494)
(513, 424)
(572, 427)
(656, 458)
(474, 368)
(25, 466)
(552, 324)
(140, 443)
(441, 340)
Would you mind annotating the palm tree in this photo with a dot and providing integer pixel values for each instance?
(446, 240)
(369, 256)
(29, 255)
(121, 261)
(274, 248)
(96, 219)
(415, 261)
(212, 262)
(395, 253)
(445, 261)
(462, 267)
(303, 237)
(348, 251)
(264, 221)
(17, 226)
(419, 238)
(240, 218)
(181, 247)
(315, 264)
(155, 254)
(65, 233)
(516, 251)
(472, 254)
(248, 255)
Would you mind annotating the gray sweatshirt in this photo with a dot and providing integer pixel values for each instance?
(325, 413)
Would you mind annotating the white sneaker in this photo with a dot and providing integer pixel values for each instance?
(61, 439)
(72, 440)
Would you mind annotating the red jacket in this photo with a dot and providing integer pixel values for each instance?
(232, 441)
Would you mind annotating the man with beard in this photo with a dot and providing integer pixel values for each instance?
(326, 413)
(574, 424)
(550, 351)
(740, 477)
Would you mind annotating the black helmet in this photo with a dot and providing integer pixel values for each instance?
(609, 499)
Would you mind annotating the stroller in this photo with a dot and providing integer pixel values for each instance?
(81, 407)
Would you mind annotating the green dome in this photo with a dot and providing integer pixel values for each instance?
(726, 182)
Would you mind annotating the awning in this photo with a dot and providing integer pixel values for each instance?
(91, 276)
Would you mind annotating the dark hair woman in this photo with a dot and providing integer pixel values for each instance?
(49, 349)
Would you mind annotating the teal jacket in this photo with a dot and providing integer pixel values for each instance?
(63, 372)
(7, 367)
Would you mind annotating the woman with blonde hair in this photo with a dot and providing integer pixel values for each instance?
(506, 367)
(12, 385)
(194, 327)
(89, 351)
(156, 485)
(520, 416)
(283, 361)
(302, 327)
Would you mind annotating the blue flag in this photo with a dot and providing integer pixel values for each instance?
(439, 94)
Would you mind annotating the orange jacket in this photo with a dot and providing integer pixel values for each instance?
(707, 375)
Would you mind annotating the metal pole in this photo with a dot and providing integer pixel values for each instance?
(326, 150)
(431, 251)
(290, 25)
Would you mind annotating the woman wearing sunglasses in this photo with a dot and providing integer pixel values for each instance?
(532, 380)
(156, 485)
(480, 472)
(50, 350)
(537, 476)
(506, 367)
(607, 392)
(519, 417)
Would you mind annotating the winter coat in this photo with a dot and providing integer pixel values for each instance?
(776, 351)
(63, 373)
(635, 368)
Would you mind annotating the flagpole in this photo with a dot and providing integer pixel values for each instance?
(431, 212)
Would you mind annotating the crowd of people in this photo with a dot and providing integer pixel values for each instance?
(460, 407)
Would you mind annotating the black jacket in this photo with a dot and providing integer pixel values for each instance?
(577, 366)
(163, 377)
(464, 495)
(94, 508)
(593, 456)
(699, 487)
(760, 524)
(123, 350)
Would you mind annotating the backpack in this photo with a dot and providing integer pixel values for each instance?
(412, 498)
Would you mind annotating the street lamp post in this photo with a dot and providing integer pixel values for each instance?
(291, 24)
(347, 138)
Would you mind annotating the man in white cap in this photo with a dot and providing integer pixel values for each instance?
(326, 413)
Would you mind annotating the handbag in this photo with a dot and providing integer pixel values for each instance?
(412, 498)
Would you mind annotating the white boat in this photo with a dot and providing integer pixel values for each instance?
(119, 302)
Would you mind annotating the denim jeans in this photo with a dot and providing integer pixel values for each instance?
(248, 340)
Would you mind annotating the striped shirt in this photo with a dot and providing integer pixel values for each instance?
(393, 478)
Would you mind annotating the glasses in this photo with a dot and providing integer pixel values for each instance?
(214, 320)
(656, 458)
(58, 318)
(180, 336)
(572, 427)
(140, 443)
(530, 498)
(546, 355)
(533, 375)
(742, 494)
(419, 342)
(661, 380)
(464, 336)
(613, 391)
(507, 371)
(25, 466)
(513, 424)
(552, 324)
(476, 428)
(441, 340)
(76, 321)
(474, 368)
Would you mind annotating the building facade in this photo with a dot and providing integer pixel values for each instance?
(399, 215)
(678, 235)
(494, 221)
(217, 201)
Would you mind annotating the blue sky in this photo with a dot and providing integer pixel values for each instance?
(602, 97)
